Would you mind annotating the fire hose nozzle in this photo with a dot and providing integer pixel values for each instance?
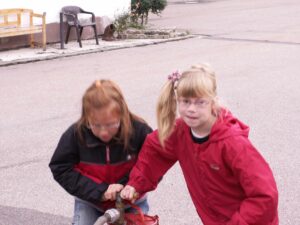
(110, 216)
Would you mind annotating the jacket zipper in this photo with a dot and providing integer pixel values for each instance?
(107, 155)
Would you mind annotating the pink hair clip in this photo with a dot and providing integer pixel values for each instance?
(175, 76)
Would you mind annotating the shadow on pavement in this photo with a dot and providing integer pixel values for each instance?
(23, 216)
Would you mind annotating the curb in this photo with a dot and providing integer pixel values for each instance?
(61, 53)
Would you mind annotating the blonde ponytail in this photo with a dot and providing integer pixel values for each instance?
(166, 111)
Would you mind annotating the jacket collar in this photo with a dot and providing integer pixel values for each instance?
(92, 141)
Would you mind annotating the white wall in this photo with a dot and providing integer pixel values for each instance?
(101, 8)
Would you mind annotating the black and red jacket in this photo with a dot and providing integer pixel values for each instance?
(85, 170)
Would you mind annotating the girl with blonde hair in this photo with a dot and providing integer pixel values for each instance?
(229, 181)
(94, 156)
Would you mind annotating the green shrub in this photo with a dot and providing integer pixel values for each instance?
(137, 16)
(158, 6)
(140, 9)
(126, 20)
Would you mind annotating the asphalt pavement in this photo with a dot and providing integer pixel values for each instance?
(254, 47)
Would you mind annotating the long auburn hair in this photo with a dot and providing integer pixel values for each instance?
(198, 81)
(99, 95)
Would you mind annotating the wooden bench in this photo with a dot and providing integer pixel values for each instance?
(11, 24)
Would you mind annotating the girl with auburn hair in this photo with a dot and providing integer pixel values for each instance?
(94, 156)
(229, 181)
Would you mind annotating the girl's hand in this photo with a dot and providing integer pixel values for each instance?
(129, 193)
(111, 192)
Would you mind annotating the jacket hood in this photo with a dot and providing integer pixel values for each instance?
(227, 126)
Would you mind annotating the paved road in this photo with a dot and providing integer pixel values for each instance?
(253, 45)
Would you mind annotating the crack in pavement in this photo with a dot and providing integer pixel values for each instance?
(25, 163)
(212, 37)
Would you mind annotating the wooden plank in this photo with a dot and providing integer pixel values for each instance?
(12, 34)
(8, 24)
(37, 15)
(14, 11)
(5, 19)
(19, 31)
(19, 19)
(44, 31)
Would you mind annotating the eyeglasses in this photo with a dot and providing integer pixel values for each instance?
(198, 103)
(109, 126)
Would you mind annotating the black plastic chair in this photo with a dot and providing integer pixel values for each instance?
(71, 15)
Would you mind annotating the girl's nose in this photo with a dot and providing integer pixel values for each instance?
(191, 107)
(104, 135)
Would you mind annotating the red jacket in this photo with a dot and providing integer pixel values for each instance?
(229, 181)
